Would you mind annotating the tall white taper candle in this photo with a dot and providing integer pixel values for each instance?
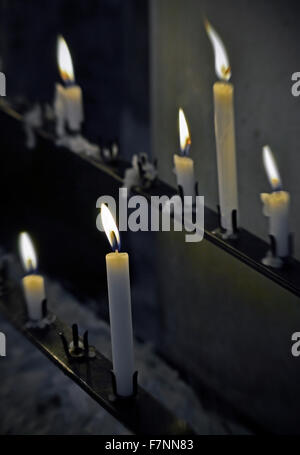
(118, 281)
(225, 146)
(224, 132)
(117, 265)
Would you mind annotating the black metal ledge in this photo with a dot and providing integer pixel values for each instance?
(247, 247)
(142, 414)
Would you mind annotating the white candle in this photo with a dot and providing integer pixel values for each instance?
(117, 266)
(34, 290)
(33, 285)
(184, 166)
(68, 98)
(224, 132)
(276, 206)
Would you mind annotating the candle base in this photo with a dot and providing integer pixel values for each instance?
(272, 259)
(116, 396)
(46, 319)
(224, 233)
(181, 194)
(78, 350)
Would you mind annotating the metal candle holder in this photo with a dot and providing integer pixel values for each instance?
(272, 259)
(77, 349)
(46, 320)
(221, 232)
(181, 193)
(134, 388)
(142, 415)
(80, 350)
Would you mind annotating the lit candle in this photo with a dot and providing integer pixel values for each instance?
(184, 166)
(68, 97)
(276, 205)
(117, 266)
(224, 132)
(33, 285)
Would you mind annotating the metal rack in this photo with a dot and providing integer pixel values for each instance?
(142, 414)
(247, 247)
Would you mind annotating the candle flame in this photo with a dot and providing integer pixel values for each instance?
(27, 252)
(64, 60)
(110, 227)
(271, 168)
(184, 134)
(222, 65)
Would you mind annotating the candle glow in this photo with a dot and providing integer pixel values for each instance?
(27, 252)
(64, 59)
(184, 134)
(271, 168)
(110, 227)
(184, 165)
(222, 65)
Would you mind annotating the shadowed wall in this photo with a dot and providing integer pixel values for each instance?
(263, 42)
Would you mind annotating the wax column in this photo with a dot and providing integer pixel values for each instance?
(68, 97)
(224, 132)
(276, 206)
(33, 284)
(117, 266)
(184, 166)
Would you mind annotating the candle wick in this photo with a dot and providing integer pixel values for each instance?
(186, 149)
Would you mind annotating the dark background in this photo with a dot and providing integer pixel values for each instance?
(108, 41)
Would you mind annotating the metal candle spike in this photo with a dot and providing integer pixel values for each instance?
(78, 349)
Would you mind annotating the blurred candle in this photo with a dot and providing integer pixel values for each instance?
(224, 132)
(68, 97)
(117, 266)
(276, 205)
(33, 285)
(184, 166)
